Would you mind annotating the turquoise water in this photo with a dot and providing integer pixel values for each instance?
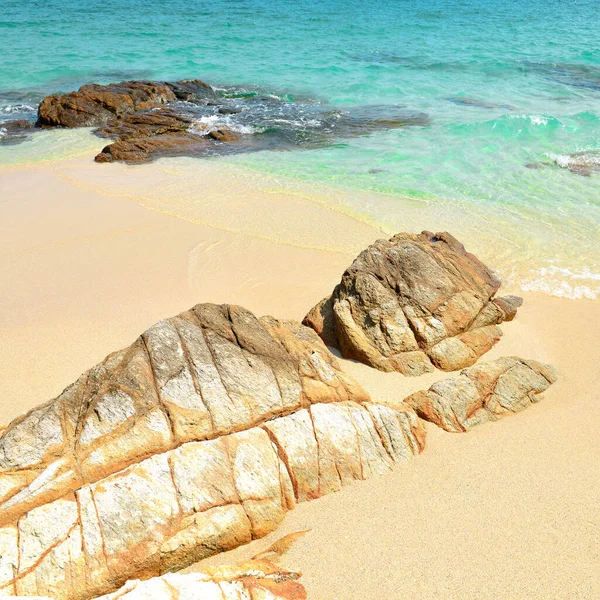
(505, 84)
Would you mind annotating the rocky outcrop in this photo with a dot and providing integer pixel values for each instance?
(94, 105)
(164, 132)
(260, 578)
(485, 392)
(195, 439)
(411, 302)
(151, 119)
(134, 113)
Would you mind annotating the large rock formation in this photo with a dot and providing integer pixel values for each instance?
(485, 392)
(195, 439)
(412, 301)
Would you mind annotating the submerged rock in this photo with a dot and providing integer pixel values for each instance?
(466, 101)
(14, 132)
(570, 74)
(413, 301)
(485, 392)
(195, 439)
(580, 163)
(16, 126)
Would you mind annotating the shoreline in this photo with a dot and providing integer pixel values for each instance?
(527, 251)
(251, 241)
(87, 273)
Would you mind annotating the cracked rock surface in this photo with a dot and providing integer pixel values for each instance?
(195, 439)
(484, 392)
(414, 302)
(260, 578)
(251, 580)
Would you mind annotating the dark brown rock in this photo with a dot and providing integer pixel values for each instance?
(224, 135)
(94, 105)
(413, 301)
(145, 149)
(16, 126)
(142, 137)
(191, 90)
(148, 124)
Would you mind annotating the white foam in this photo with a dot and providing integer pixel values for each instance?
(564, 282)
(3, 132)
(205, 125)
(298, 122)
(17, 108)
(533, 119)
(580, 159)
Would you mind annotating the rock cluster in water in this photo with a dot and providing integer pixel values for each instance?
(202, 434)
(151, 119)
(133, 113)
(411, 302)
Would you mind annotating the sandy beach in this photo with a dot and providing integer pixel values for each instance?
(510, 510)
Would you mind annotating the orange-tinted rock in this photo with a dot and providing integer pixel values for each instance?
(261, 578)
(195, 439)
(484, 392)
(411, 302)
(224, 135)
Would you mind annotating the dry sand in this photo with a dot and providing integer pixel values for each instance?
(510, 510)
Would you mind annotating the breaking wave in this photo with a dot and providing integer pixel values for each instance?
(554, 280)
(18, 109)
(279, 121)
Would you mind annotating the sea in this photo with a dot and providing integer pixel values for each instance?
(503, 139)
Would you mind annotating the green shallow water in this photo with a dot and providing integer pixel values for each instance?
(505, 85)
